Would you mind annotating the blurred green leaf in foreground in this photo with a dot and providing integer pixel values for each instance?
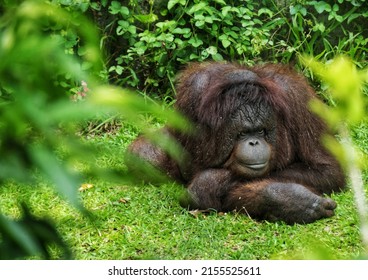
(345, 84)
(38, 119)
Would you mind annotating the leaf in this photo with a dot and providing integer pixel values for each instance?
(208, 19)
(212, 50)
(195, 42)
(123, 27)
(129, 104)
(149, 18)
(124, 200)
(322, 6)
(124, 11)
(65, 182)
(200, 23)
(114, 7)
(225, 10)
(172, 3)
(30, 237)
(265, 11)
(352, 17)
(345, 83)
(197, 213)
(85, 187)
(165, 37)
(298, 9)
(221, 2)
(168, 24)
(225, 43)
(319, 27)
(217, 57)
(197, 7)
(132, 29)
(182, 31)
(14, 232)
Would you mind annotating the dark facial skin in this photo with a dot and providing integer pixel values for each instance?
(255, 128)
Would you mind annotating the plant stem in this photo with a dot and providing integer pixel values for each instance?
(357, 186)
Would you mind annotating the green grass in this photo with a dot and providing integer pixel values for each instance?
(147, 222)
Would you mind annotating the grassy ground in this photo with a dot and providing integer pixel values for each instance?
(147, 222)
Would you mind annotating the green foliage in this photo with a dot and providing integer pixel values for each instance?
(154, 44)
(31, 64)
(38, 121)
(149, 41)
(30, 236)
(345, 84)
(33, 110)
(324, 30)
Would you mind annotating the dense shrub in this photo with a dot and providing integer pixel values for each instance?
(147, 42)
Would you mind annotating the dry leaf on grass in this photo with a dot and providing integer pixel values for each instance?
(85, 186)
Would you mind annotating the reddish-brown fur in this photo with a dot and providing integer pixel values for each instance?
(300, 169)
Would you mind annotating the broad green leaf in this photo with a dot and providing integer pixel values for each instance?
(217, 57)
(149, 18)
(197, 7)
(195, 42)
(29, 236)
(18, 234)
(225, 43)
(212, 50)
(265, 11)
(183, 31)
(222, 2)
(129, 105)
(172, 3)
(66, 182)
(225, 10)
(114, 7)
(345, 83)
(169, 24)
(322, 6)
(298, 9)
